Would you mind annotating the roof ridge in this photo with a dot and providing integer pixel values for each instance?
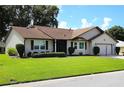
(44, 33)
(90, 28)
(55, 28)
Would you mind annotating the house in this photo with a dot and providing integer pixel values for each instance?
(47, 39)
(121, 45)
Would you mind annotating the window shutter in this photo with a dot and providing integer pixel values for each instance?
(85, 45)
(32, 44)
(71, 44)
(46, 45)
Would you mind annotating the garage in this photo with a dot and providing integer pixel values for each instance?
(106, 44)
(105, 49)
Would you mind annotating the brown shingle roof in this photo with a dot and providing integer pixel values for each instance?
(50, 33)
(31, 33)
(56, 33)
(80, 31)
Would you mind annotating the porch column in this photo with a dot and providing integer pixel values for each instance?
(85, 46)
(55, 45)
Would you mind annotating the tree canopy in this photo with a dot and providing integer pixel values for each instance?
(20, 15)
(117, 32)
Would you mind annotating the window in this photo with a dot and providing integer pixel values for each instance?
(81, 45)
(75, 45)
(39, 44)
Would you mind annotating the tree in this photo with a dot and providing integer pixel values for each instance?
(20, 15)
(45, 15)
(117, 32)
(4, 20)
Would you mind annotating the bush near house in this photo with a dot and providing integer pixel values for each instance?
(29, 54)
(12, 52)
(49, 54)
(20, 48)
(71, 50)
(117, 49)
(96, 50)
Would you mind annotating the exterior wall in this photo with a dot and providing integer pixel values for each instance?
(103, 39)
(77, 51)
(90, 34)
(28, 46)
(88, 47)
(13, 39)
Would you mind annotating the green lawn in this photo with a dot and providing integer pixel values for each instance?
(30, 69)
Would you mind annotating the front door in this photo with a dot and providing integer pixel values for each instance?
(61, 46)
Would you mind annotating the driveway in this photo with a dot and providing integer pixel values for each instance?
(111, 79)
(120, 57)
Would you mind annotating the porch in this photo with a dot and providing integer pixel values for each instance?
(41, 46)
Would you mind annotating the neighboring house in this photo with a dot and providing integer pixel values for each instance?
(47, 39)
(121, 45)
(2, 47)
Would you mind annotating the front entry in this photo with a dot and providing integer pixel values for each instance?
(61, 46)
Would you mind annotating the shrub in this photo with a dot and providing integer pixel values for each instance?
(29, 54)
(20, 48)
(12, 52)
(49, 54)
(71, 50)
(96, 50)
(117, 49)
(80, 53)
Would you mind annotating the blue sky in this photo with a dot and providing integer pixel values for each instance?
(81, 16)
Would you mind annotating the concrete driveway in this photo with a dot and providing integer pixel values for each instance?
(111, 79)
(120, 57)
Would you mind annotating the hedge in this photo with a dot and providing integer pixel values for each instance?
(49, 54)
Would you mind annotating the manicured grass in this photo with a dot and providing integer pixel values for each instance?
(15, 70)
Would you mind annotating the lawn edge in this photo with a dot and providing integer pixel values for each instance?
(60, 77)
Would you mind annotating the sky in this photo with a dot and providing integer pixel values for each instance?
(81, 16)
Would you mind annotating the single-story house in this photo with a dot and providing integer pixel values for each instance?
(47, 39)
(121, 45)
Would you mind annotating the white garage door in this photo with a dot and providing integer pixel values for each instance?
(105, 49)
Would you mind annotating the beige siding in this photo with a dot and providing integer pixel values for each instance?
(28, 45)
(90, 34)
(13, 39)
(88, 47)
(104, 39)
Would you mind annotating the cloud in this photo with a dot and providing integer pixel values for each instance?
(74, 28)
(106, 23)
(63, 24)
(85, 23)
